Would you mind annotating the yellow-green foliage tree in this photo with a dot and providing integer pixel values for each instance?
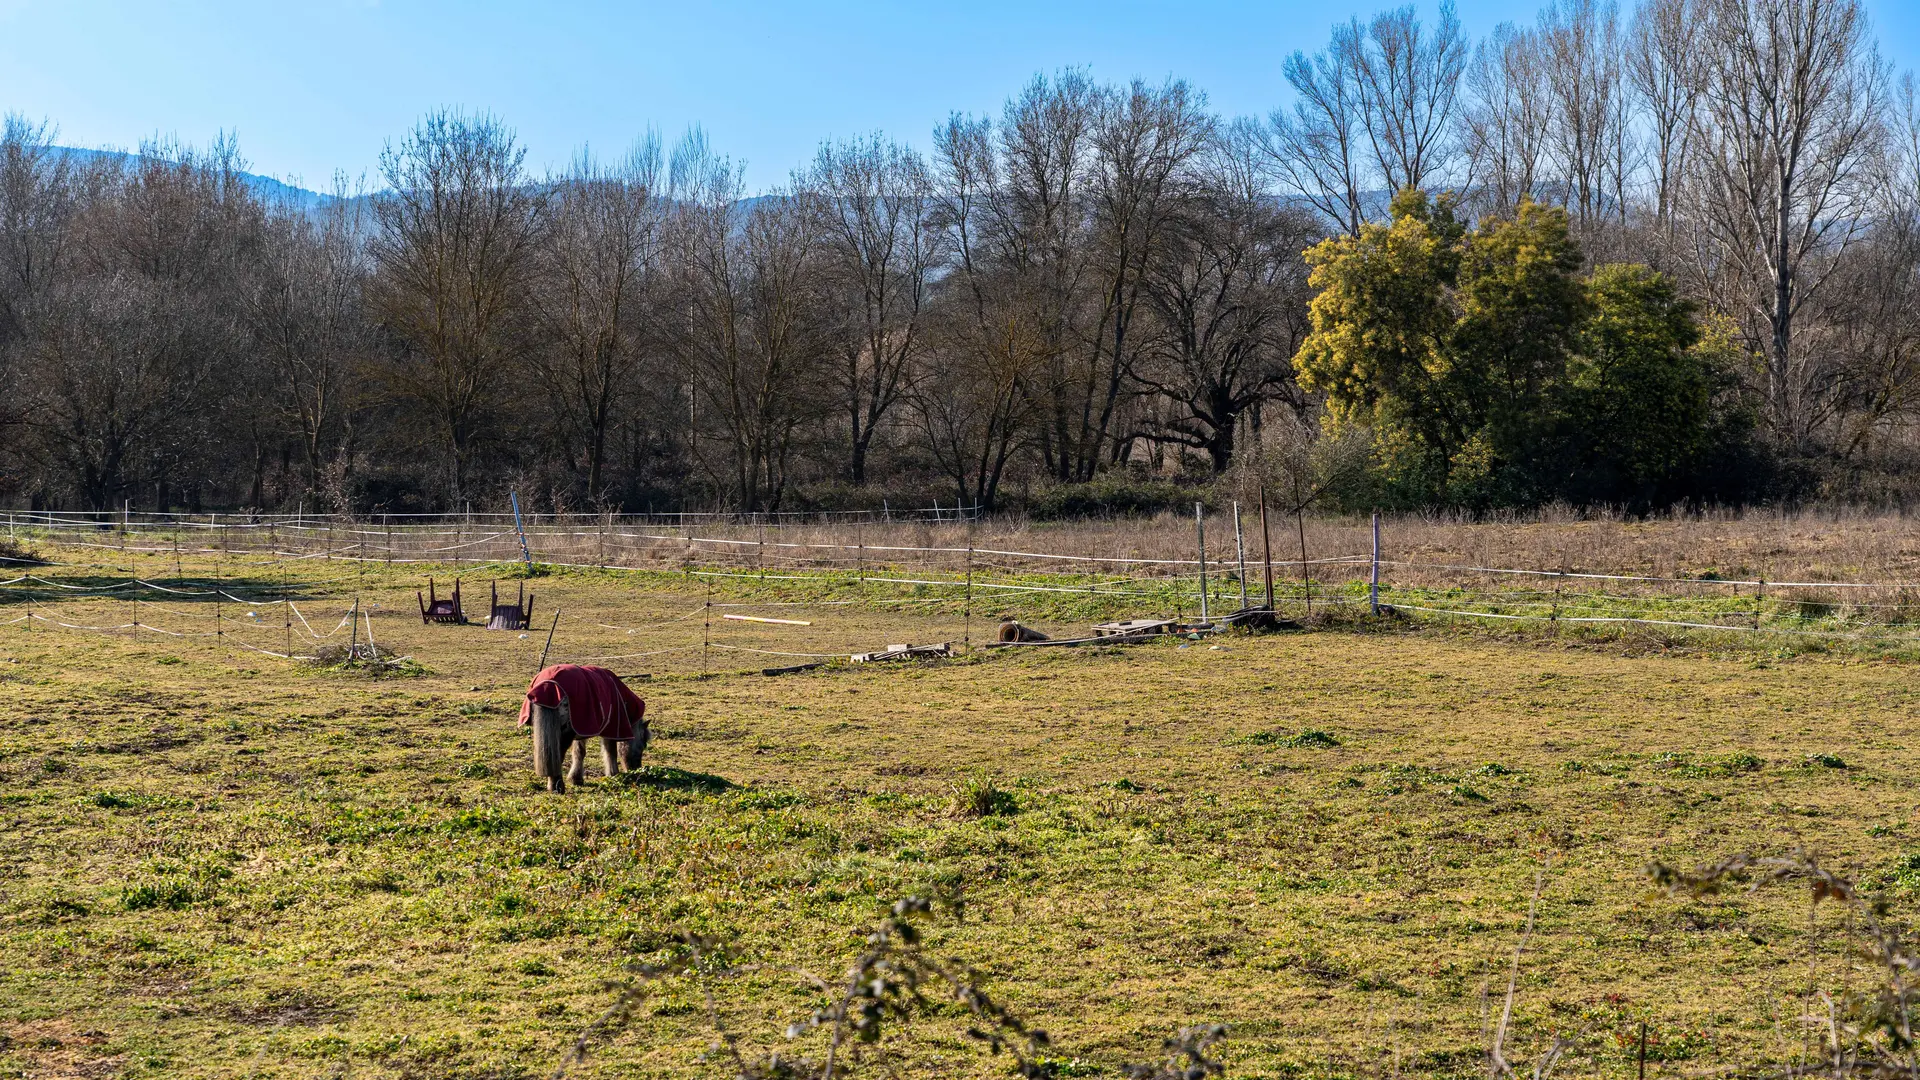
(1490, 372)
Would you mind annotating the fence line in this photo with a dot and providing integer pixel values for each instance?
(1171, 579)
(1598, 619)
(107, 519)
(604, 529)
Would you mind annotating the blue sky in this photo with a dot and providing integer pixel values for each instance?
(311, 87)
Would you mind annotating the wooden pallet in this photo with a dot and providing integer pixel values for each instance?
(1134, 628)
(905, 652)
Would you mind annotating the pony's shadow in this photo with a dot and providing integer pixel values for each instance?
(667, 778)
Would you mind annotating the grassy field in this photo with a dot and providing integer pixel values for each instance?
(218, 863)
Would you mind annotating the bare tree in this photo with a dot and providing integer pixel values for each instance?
(1229, 299)
(1505, 120)
(1663, 72)
(872, 201)
(36, 204)
(1871, 313)
(754, 330)
(598, 259)
(1035, 225)
(455, 243)
(1409, 82)
(992, 340)
(1315, 148)
(305, 309)
(1790, 121)
(1149, 142)
(137, 356)
(1586, 137)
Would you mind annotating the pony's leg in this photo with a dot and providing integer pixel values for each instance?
(551, 741)
(610, 754)
(578, 774)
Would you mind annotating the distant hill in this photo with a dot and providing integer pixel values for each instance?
(270, 191)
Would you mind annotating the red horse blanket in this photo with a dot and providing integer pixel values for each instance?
(598, 702)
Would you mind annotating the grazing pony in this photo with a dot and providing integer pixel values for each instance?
(566, 705)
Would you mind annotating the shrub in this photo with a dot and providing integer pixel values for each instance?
(1863, 1030)
(485, 821)
(15, 552)
(1310, 739)
(982, 796)
(1906, 873)
(1113, 495)
(1686, 765)
(174, 888)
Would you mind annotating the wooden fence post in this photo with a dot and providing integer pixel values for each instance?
(1306, 578)
(1240, 549)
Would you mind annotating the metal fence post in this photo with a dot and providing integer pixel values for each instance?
(1200, 530)
(1373, 582)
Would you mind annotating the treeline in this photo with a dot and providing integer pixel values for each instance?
(1643, 258)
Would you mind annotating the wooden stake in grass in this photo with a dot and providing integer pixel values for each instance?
(1553, 612)
(1266, 546)
(1240, 548)
(549, 644)
(762, 619)
(1306, 580)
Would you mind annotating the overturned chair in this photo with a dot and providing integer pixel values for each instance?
(435, 610)
(515, 616)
